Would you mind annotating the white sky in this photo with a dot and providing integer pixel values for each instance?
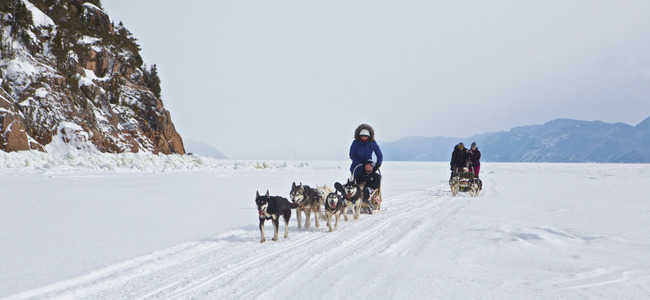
(293, 79)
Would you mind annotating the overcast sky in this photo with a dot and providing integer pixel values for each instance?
(293, 79)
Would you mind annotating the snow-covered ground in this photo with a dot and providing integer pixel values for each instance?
(176, 227)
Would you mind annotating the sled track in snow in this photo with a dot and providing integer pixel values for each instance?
(236, 264)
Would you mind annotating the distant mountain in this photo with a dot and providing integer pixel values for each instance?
(561, 140)
(200, 148)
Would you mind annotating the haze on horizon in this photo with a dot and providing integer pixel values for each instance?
(293, 79)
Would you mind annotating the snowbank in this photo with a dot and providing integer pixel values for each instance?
(79, 161)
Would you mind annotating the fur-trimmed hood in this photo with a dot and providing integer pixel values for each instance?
(364, 126)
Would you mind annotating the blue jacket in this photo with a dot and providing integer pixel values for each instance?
(361, 152)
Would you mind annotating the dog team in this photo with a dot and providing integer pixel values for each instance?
(308, 200)
(465, 165)
(362, 191)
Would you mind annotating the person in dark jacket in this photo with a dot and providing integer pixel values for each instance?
(474, 159)
(459, 158)
(370, 179)
(363, 147)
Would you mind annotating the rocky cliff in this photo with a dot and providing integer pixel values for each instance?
(69, 75)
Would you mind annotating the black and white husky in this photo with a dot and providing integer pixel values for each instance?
(308, 200)
(324, 191)
(334, 206)
(475, 186)
(271, 208)
(352, 195)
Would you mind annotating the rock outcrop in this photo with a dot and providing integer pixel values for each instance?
(71, 74)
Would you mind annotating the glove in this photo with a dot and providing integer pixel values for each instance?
(375, 168)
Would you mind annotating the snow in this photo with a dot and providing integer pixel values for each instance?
(88, 40)
(38, 17)
(17, 68)
(8, 129)
(90, 74)
(21, 71)
(41, 92)
(70, 139)
(88, 79)
(92, 6)
(143, 226)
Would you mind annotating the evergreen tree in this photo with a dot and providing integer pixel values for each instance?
(152, 80)
(19, 21)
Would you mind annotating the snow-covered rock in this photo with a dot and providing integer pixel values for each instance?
(68, 64)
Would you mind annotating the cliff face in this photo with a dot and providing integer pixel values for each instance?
(69, 74)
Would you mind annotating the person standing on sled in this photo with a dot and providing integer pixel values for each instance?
(474, 159)
(371, 181)
(362, 148)
(459, 159)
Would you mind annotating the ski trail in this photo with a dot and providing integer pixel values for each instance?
(420, 234)
(233, 263)
(238, 268)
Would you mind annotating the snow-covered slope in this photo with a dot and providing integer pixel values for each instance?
(559, 140)
(537, 231)
(67, 71)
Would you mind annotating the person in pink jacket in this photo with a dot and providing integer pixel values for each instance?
(474, 159)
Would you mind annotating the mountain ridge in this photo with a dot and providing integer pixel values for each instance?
(203, 148)
(559, 140)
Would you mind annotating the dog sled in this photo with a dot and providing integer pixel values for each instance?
(375, 197)
(465, 182)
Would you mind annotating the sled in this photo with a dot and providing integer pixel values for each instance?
(375, 197)
(465, 182)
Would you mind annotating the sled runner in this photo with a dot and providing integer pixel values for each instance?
(465, 182)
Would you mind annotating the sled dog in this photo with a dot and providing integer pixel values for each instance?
(323, 191)
(454, 184)
(271, 208)
(475, 186)
(308, 200)
(465, 182)
(374, 199)
(352, 195)
(334, 206)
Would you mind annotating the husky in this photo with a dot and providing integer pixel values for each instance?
(270, 208)
(475, 186)
(308, 201)
(376, 199)
(373, 202)
(324, 190)
(454, 184)
(352, 195)
(334, 206)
